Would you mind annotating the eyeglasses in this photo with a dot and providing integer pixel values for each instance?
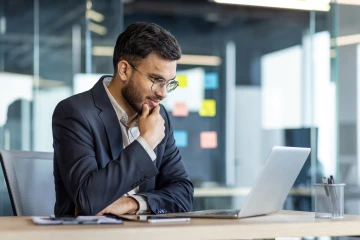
(159, 83)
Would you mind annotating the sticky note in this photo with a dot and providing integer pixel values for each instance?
(211, 81)
(180, 110)
(182, 79)
(208, 139)
(181, 138)
(208, 108)
(192, 94)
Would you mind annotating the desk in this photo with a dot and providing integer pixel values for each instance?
(282, 224)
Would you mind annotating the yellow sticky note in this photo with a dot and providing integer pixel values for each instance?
(182, 79)
(208, 139)
(180, 110)
(208, 108)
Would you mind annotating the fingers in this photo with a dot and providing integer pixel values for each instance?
(156, 110)
(145, 110)
(101, 213)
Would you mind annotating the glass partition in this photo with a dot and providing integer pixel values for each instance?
(275, 87)
(347, 45)
(250, 78)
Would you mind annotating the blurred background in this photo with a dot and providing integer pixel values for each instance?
(253, 75)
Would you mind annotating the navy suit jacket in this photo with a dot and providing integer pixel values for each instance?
(92, 169)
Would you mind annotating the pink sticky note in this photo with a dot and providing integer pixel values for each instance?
(180, 110)
(208, 139)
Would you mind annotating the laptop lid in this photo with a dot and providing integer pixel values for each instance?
(274, 181)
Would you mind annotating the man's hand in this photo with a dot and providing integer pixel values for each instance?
(121, 206)
(151, 126)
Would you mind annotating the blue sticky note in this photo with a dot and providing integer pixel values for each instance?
(181, 138)
(211, 80)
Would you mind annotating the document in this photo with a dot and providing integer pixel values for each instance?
(75, 220)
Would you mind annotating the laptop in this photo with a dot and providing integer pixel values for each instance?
(270, 189)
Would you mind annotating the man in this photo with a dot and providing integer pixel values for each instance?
(114, 149)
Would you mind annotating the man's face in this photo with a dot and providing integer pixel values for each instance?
(138, 91)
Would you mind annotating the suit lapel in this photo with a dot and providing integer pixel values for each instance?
(113, 131)
(108, 117)
(143, 187)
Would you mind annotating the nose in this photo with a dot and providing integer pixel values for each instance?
(162, 92)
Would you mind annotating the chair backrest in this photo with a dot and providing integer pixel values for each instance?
(30, 182)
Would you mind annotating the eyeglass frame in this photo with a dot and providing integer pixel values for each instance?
(166, 83)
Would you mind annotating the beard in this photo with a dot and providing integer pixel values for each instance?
(133, 96)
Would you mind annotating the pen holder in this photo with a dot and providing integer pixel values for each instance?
(329, 200)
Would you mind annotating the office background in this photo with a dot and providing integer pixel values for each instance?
(251, 78)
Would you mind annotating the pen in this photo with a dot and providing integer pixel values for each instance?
(331, 192)
(324, 180)
(325, 187)
(335, 195)
(332, 179)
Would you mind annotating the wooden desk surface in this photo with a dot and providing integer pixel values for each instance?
(282, 224)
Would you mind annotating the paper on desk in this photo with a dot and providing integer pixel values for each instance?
(89, 218)
(78, 220)
(99, 219)
(45, 221)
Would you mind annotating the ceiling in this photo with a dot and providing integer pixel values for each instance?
(201, 27)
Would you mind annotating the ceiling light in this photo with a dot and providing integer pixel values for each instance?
(346, 40)
(333, 53)
(2, 25)
(317, 5)
(103, 51)
(95, 16)
(347, 2)
(96, 28)
(201, 60)
(88, 4)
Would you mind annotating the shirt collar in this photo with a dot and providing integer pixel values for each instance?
(121, 114)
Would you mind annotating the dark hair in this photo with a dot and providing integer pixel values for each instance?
(140, 39)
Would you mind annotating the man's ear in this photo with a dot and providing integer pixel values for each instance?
(123, 70)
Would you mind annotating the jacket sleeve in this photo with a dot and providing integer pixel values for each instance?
(86, 184)
(174, 191)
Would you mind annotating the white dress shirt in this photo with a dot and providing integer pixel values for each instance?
(130, 133)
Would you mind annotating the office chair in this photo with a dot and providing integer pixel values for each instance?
(30, 182)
